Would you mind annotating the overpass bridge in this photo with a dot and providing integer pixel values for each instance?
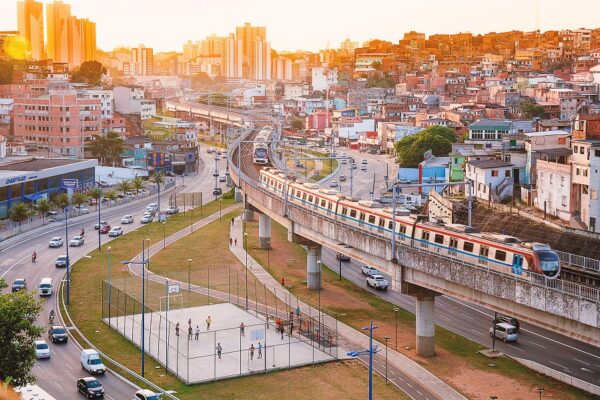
(557, 305)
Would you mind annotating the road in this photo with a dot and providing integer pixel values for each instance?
(58, 374)
(550, 349)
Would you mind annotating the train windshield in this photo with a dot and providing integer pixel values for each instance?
(260, 153)
(549, 263)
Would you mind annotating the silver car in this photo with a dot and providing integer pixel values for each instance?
(505, 332)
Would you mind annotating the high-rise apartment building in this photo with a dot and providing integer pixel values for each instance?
(282, 69)
(69, 39)
(232, 58)
(262, 61)
(88, 44)
(141, 61)
(254, 51)
(30, 21)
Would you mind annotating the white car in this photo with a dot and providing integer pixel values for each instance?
(115, 231)
(145, 394)
(82, 209)
(146, 219)
(127, 219)
(333, 184)
(369, 271)
(77, 241)
(56, 241)
(378, 282)
(41, 349)
(222, 178)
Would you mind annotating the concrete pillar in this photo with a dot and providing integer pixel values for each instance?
(426, 326)
(248, 215)
(313, 272)
(238, 195)
(264, 231)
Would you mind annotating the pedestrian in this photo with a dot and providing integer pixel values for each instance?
(197, 332)
(242, 328)
(177, 329)
(259, 350)
(232, 221)
(282, 281)
(235, 242)
(230, 241)
(219, 350)
(190, 322)
(208, 321)
(282, 330)
(190, 332)
(251, 352)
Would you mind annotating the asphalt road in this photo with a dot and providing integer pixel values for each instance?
(58, 374)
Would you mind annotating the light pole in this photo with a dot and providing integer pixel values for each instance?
(99, 236)
(66, 211)
(371, 351)
(189, 279)
(246, 250)
(108, 267)
(541, 392)
(386, 351)
(396, 309)
(164, 234)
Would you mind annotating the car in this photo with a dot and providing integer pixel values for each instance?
(215, 173)
(105, 229)
(81, 209)
(222, 178)
(342, 257)
(77, 241)
(172, 210)
(58, 334)
(90, 387)
(509, 320)
(209, 150)
(170, 173)
(56, 241)
(41, 349)
(369, 271)
(333, 184)
(185, 174)
(115, 231)
(217, 157)
(224, 155)
(146, 219)
(127, 219)
(45, 287)
(378, 282)
(403, 180)
(91, 362)
(152, 206)
(363, 167)
(364, 162)
(217, 191)
(505, 332)
(354, 166)
(102, 184)
(61, 261)
(150, 211)
(19, 284)
(145, 394)
(98, 225)
(343, 178)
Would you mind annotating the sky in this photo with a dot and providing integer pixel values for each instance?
(312, 24)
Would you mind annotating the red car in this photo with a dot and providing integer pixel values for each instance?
(104, 228)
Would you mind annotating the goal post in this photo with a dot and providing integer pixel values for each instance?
(174, 301)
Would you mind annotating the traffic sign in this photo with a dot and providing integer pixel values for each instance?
(69, 183)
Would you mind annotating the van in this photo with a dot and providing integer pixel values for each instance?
(45, 288)
(505, 332)
(91, 362)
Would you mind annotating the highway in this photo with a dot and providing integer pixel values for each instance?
(58, 374)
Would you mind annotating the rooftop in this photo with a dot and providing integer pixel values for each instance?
(36, 164)
(546, 133)
(557, 152)
(486, 164)
(491, 123)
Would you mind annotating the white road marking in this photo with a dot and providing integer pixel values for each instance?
(68, 366)
(409, 385)
(467, 316)
(560, 366)
(444, 317)
(41, 369)
(583, 362)
(537, 344)
(58, 384)
(420, 394)
(478, 333)
(514, 347)
(53, 352)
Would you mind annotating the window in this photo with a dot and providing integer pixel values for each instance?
(584, 172)
(484, 251)
(596, 153)
(584, 189)
(304, 196)
(494, 172)
(454, 243)
(362, 216)
(468, 246)
(581, 150)
(551, 178)
(425, 235)
(371, 219)
(390, 224)
(322, 203)
(577, 171)
(310, 199)
(439, 239)
(562, 181)
(402, 229)
(344, 210)
(575, 149)
(500, 255)
(382, 222)
(507, 173)
(352, 213)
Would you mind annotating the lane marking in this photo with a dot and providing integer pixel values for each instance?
(514, 347)
(420, 394)
(537, 344)
(409, 385)
(68, 366)
(583, 362)
(444, 317)
(58, 384)
(467, 316)
(561, 366)
(478, 333)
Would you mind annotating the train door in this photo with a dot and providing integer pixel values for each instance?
(517, 264)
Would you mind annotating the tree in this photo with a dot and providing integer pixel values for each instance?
(79, 198)
(124, 186)
(20, 213)
(378, 80)
(18, 314)
(6, 72)
(89, 72)
(111, 195)
(138, 184)
(159, 179)
(107, 149)
(201, 79)
(96, 193)
(61, 200)
(43, 206)
(410, 150)
(376, 65)
(530, 109)
(297, 124)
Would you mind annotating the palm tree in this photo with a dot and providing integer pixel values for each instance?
(61, 200)
(96, 193)
(44, 206)
(158, 178)
(124, 186)
(138, 184)
(79, 198)
(111, 195)
(20, 213)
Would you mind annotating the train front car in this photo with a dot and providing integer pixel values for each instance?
(546, 260)
(261, 153)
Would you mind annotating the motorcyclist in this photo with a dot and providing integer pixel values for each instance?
(33, 256)
(51, 316)
(82, 231)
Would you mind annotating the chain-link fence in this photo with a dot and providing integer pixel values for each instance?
(176, 331)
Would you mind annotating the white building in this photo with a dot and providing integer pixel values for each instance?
(323, 78)
(130, 100)
(233, 57)
(282, 69)
(106, 100)
(294, 91)
(349, 129)
(553, 180)
(491, 180)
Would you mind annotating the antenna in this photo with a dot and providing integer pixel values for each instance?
(537, 16)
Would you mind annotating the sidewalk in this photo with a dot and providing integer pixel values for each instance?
(403, 372)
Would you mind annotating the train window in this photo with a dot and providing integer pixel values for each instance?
(500, 255)
(344, 210)
(322, 203)
(468, 246)
(371, 219)
(298, 193)
(330, 205)
(382, 222)
(353, 213)
(304, 196)
(391, 225)
(439, 239)
(484, 251)
(454, 243)
(402, 229)
(362, 216)
(425, 235)
(310, 198)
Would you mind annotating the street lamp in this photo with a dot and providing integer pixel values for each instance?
(372, 350)
(164, 223)
(142, 263)
(99, 236)
(189, 279)
(386, 354)
(109, 297)
(396, 309)
(66, 211)
(246, 250)
(541, 392)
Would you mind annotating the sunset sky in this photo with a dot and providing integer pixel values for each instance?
(312, 24)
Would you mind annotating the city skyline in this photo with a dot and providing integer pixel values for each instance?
(289, 34)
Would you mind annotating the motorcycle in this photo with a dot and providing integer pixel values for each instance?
(51, 317)
(33, 257)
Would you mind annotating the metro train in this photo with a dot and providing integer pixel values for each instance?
(260, 152)
(502, 253)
